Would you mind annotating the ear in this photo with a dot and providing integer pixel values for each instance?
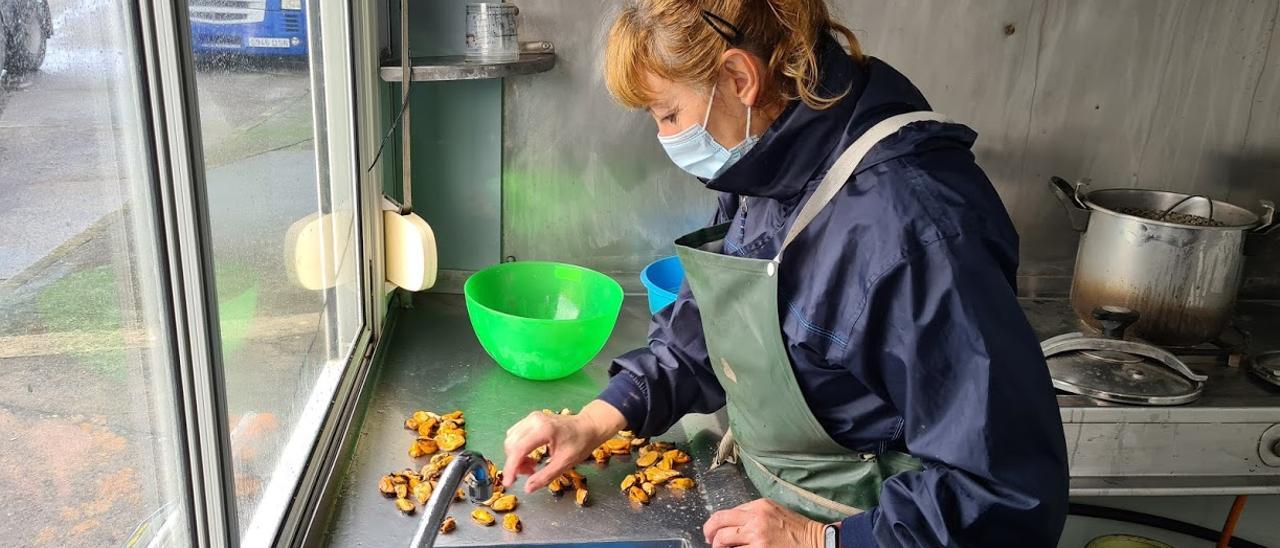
(742, 75)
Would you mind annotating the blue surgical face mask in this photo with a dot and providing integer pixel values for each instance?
(697, 152)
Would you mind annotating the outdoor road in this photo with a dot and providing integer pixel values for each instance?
(82, 428)
(62, 159)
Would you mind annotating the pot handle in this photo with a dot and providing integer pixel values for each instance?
(1255, 239)
(1114, 320)
(1077, 213)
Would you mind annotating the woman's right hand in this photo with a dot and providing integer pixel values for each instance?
(569, 440)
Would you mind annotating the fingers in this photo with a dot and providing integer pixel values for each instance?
(518, 462)
(522, 439)
(724, 519)
(728, 537)
(554, 467)
(524, 467)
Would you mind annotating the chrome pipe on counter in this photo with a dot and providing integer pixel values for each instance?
(468, 465)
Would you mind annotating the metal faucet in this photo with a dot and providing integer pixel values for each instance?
(468, 466)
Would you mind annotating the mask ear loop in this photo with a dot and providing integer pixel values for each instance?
(747, 134)
(710, 100)
(733, 35)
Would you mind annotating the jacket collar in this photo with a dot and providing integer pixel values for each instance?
(803, 141)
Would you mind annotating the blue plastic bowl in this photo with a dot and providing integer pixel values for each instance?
(662, 278)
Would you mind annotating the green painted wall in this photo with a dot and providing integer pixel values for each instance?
(456, 142)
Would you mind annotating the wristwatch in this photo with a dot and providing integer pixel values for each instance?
(830, 537)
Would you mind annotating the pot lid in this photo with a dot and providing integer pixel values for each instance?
(1267, 367)
(1120, 371)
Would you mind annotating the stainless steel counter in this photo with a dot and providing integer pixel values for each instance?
(435, 363)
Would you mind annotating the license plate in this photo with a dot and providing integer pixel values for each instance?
(256, 42)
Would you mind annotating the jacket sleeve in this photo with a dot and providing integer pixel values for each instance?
(943, 339)
(654, 387)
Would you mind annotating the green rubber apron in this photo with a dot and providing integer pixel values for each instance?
(786, 453)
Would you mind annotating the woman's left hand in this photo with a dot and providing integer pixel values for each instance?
(762, 523)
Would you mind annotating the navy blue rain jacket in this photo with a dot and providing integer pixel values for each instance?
(898, 308)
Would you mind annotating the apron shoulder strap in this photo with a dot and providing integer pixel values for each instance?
(844, 167)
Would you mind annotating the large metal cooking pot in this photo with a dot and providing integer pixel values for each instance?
(1181, 278)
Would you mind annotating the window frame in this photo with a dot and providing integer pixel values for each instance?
(182, 215)
(184, 241)
(308, 517)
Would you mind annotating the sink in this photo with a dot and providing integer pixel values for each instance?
(672, 543)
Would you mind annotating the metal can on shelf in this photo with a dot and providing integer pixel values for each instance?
(491, 32)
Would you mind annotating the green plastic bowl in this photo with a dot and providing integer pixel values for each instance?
(541, 320)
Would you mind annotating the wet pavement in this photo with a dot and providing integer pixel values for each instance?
(86, 435)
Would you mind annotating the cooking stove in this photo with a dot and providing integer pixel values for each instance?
(1226, 441)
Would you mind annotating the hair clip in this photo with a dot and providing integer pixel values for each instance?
(725, 29)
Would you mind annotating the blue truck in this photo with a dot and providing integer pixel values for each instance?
(249, 27)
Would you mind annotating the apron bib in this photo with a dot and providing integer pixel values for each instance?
(786, 453)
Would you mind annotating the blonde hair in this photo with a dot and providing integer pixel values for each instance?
(671, 39)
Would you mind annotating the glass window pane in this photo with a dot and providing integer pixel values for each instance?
(89, 451)
(284, 241)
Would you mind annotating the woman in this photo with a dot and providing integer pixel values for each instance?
(854, 306)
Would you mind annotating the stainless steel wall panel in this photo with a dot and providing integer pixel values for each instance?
(1175, 94)
(584, 180)
(1255, 170)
